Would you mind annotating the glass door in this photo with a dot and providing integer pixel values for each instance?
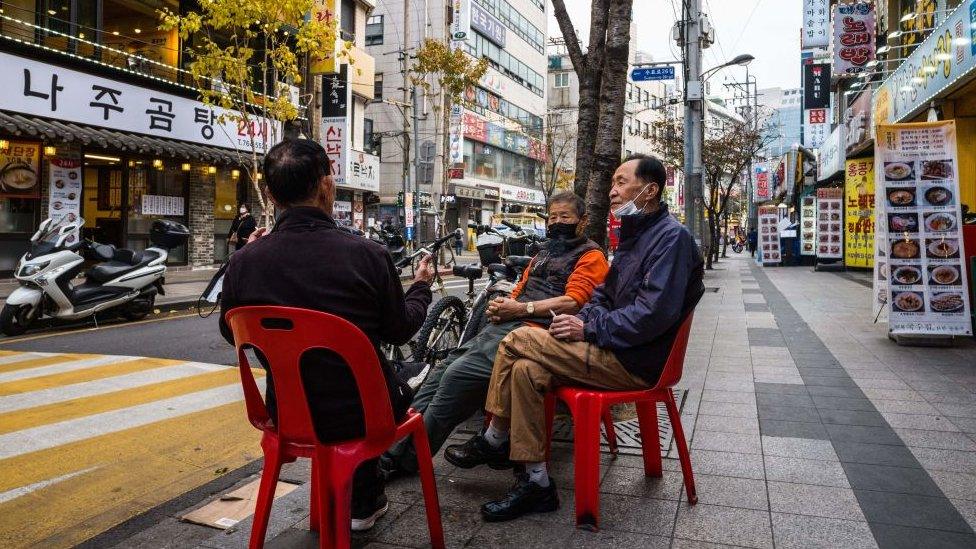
(156, 191)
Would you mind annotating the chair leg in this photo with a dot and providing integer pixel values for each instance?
(587, 413)
(550, 404)
(313, 505)
(683, 455)
(266, 492)
(337, 515)
(609, 430)
(650, 441)
(426, 466)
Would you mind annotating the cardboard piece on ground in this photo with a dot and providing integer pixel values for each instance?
(233, 507)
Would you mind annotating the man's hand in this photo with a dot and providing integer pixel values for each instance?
(567, 328)
(503, 309)
(425, 270)
(258, 233)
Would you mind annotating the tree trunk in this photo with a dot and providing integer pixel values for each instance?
(725, 241)
(613, 92)
(711, 245)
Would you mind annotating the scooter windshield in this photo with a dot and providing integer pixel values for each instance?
(53, 232)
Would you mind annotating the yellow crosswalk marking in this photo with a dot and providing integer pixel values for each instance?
(82, 375)
(38, 362)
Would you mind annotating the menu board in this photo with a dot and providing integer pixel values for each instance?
(64, 186)
(808, 225)
(918, 172)
(830, 223)
(154, 204)
(859, 213)
(19, 168)
(769, 235)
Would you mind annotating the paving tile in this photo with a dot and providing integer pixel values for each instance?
(730, 491)
(728, 396)
(957, 410)
(780, 389)
(862, 433)
(727, 409)
(955, 485)
(891, 394)
(789, 413)
(780, 399)
(794, 429)
(905, 407)
(726, 424)
(726, 442)
(820, 501)
(883, 384)
(584, 539)
(805, 471)
(714, 523)
(530, 533)
(903, 480)
(967, 509)
(632, 481)
(936, 439)
(410, 528)
(846, 392)
(910, 510)
(842, 403)
(643, 516)
(797, 531)
(946, 460)
(828, 381)
(803, 448)
(966, 424)
(727, 464)
(902, 537)
(920, 421)
(876, 454)
(851, 417)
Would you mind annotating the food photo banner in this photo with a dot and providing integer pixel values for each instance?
(769, 235)
(918, 181)
(808, 225)
(859, 219)
(830, 223)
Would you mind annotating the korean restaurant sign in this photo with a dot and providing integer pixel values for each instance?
(763, 190)
(859, 219)
(816, 23)
(521, 194)
(364, 171)
(946, 57)
(854, 37)
(830, 157)
(335, 140)
(40, 89)
(857, 123)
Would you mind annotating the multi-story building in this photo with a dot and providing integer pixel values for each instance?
(501, 149)
(781, 114)
(99, 120)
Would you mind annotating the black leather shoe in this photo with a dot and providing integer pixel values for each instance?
(476, 451)
(524, 498)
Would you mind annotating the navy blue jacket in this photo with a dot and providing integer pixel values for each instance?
(655, 280)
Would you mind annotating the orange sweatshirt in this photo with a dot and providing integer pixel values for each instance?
(589, 273)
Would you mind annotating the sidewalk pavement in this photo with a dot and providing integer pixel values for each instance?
(808, 428)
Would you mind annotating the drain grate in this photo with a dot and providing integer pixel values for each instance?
(628, 431)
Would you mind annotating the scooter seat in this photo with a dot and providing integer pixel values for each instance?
(519, 262)
(471, 272)
(109, 270)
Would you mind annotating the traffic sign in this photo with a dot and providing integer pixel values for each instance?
(644, 74)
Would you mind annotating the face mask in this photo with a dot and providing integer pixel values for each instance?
(561, 231)
(243, 211)
(630, 208)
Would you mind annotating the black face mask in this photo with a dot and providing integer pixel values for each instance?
(561, 231)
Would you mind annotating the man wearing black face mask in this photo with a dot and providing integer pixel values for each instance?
(560, 279)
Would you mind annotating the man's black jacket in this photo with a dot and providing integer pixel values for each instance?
(308, 262)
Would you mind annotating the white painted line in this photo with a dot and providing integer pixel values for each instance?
(24, 490)
(21, 357)
(73, 430)
(95, 387)
(62, 367)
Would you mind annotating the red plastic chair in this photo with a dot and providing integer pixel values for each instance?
(590, 407)
(283, 335)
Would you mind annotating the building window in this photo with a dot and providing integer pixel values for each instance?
(347, 20)
(374, 30)
(371, 141)
(378, 87)
(562, 80)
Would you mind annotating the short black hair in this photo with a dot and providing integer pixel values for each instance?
(293, 169)
(571, 198)
(245, 206)
(650, 170)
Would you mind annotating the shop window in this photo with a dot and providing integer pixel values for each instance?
(17, 215)
(485, 161)
(226, 203)
(378, 87)
(347, 20)
(562, 80)
(374, 30)
(155, 192)
(109, 189)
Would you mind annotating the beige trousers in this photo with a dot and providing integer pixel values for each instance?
(529, 363)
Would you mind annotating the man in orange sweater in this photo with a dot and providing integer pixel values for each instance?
(559, 280)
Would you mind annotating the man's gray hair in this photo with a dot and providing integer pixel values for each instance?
(571, 198)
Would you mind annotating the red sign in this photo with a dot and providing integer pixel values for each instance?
(762, 186)
(854, 31)
(818, 116)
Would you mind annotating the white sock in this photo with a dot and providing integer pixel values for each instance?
(538, 473)
(495, 437)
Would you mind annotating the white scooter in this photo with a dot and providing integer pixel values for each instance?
(124, 279)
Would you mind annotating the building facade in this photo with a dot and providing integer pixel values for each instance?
(781, 112)
(497, 161)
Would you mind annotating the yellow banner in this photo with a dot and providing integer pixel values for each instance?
(324, 12)
(859, 213)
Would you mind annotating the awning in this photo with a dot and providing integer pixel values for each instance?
(41, 128)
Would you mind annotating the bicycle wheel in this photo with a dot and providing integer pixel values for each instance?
(441, 332)
(478, 319)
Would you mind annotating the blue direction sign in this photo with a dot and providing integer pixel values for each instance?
(643, 74)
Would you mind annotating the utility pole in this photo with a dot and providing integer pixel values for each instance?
(405, 71)
(694, 117)
(416, 168)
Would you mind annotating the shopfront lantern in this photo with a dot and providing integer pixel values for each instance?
(4, 144)
(157, 163)
(186, 167)
(235, 173)
(212, 170)
(50, 151)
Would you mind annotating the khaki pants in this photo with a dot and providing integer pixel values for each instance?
(529, 363)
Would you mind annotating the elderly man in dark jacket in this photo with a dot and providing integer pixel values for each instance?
(308, 261)
(618, 341)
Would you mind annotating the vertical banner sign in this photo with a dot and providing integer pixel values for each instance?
(808, 225)
(65, 190)
(408, 209)
(764, 190)
(816, 127)
(335, 140)
(816, 24)
(882, 270)
(859, 215)
(830, 222)
(769, 235)
(460, 20)
(816, 86)
(335, 93)
(456, 135)
(325, 12)
(919, 172)
(854, 37)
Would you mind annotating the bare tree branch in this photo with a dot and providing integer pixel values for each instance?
(572, 41)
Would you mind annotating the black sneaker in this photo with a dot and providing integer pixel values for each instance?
(391, 467)
(476, 451)
(366, 513)
(524, 498)
(412, 373)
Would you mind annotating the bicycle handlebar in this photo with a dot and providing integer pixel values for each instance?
(429, 248)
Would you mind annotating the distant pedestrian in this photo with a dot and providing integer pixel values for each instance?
(242, 227)
(753, 240)
(459, 244)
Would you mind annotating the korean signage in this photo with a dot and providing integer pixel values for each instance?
(40, 89)
(155, 204)
(472, 193)
(479, 129)
(325, 12)
(859, 216)
(946, 57)
(918, 189)
(925, 15)
(808, 225)
(461, 19)
(335, 93)
(342, 213)
(335, 140)
(64, 189)
(768, 235)
(816, 86)
(513, 193)
(816, 127)
(830, 158)
(646, 74)
(854, 37)
(764, 189)
(487, 24)
(456, 153)
(830, 223)
(20, 170)
(857, 123)
(816, 24)
(364, 171)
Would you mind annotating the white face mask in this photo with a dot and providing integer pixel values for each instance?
(630, 208)
(243, 211)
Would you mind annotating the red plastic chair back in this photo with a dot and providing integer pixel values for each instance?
(283, 335)
(674, 367)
